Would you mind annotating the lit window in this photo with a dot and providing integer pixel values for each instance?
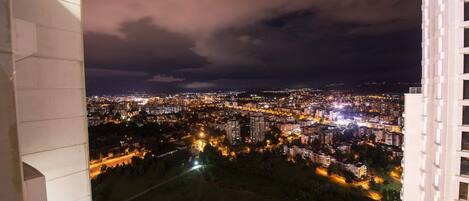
(464, 166)
(463, 190)
(465, 141)
(465, 115)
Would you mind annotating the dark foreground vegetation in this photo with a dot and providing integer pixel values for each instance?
(264, 176)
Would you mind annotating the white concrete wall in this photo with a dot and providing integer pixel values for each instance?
(11, 171)
(412, 145)
(34, 185)
(50, 93)
(442, 78)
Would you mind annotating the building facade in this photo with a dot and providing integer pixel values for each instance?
(257, 128)
(436, 155)
(233, 131)
(43, 129)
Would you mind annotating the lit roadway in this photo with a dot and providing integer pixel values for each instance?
(95, 168)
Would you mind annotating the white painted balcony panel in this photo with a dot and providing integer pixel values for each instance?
(35, 105)
(60, 14)
(70, 188)
(25, 39)
(59, 44)
(36, 72)
(59, 162)
(39, 136)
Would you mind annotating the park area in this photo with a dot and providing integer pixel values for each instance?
(250, 177)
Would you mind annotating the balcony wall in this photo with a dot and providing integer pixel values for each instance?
(10, 174)
(50, 93)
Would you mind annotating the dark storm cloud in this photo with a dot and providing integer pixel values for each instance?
(145, 47)
(317, 52)
(225, 44)
(145, 54)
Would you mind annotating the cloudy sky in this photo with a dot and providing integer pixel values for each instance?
(189, 45)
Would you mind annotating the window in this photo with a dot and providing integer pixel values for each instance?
(464, 166)
(466, 89)
(466, 11)
(463, 190)
(466, 63)
(465, 141)
(466, 37)
(465, 115)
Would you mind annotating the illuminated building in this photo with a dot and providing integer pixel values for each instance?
(322, 159)
(43, 131)
(288, 129)
(233, 131)
(436, 151)
(379, 135)
(257, 128)
(306, 138)
(358, 170)
(327, 138)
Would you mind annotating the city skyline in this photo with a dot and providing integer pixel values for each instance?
(213, 100)
(158, 47)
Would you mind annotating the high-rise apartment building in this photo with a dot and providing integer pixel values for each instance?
(436, 135)
(43, 130)
(233, 131)
(257, 128)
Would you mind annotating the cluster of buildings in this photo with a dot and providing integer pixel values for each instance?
(358, 169)
(257, 130)
(103, 110)
(313, 124)
(233, 131)
(314, 141)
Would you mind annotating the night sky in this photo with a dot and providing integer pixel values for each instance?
(160, 46)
